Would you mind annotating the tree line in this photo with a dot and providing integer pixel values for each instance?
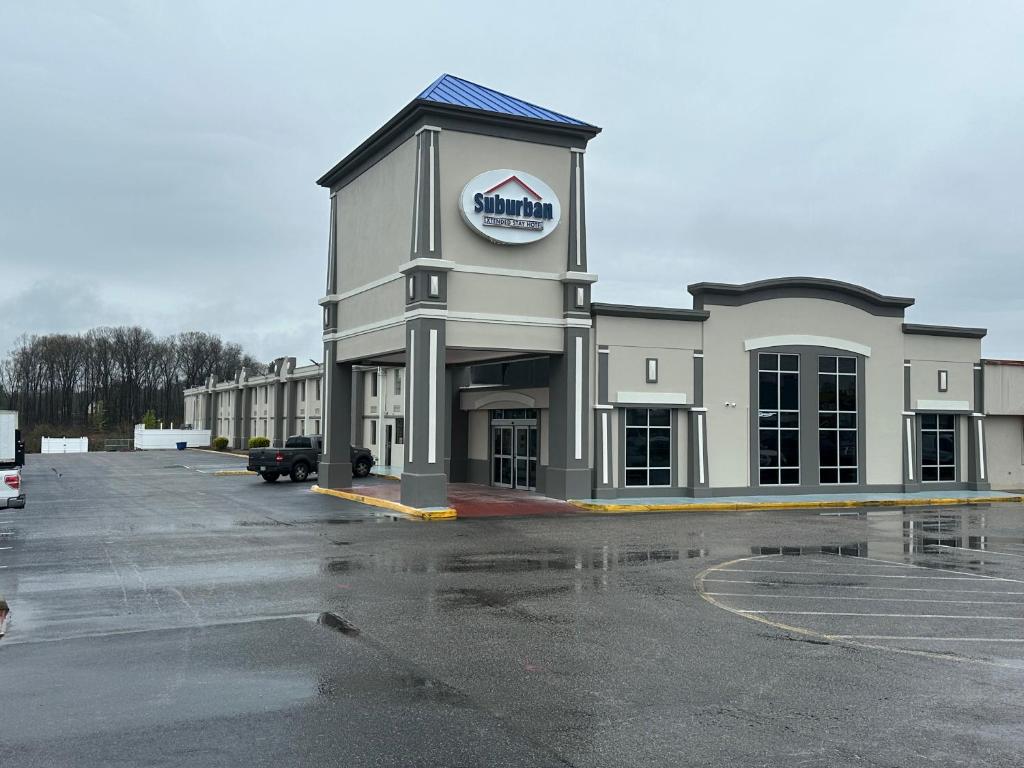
(106, 379)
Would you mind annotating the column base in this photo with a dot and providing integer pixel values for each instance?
(424, 490)
(978, 485)
(562, 483)
(335, 475)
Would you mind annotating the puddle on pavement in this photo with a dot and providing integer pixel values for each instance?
(341, 565)
(498, 598)
(940, 538)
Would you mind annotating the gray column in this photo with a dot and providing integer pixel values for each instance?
(278, 428)
(336, 460)
(236, 419)
(358, 406)
(698, 476)
(977, 454)
(908, 438)
(214, 415)
(424, 483)
(569, 475)
(246, 416)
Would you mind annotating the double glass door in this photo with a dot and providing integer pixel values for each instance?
(514, 456)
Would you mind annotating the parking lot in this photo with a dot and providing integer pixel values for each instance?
(164, 614)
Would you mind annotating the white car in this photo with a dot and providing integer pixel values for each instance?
(12, 495)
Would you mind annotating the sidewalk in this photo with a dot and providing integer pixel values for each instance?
(796, 501)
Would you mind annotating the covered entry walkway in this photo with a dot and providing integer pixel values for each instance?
(470, 500)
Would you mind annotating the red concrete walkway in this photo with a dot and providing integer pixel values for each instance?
(473, 501)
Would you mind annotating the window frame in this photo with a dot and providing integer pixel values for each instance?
(647, 428)
(938, 430)
(836, 430)
(759, 367)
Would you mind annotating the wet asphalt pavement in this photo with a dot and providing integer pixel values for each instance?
(162, 615)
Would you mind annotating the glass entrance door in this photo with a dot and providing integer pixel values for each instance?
(514, 454)
(526, 458)
(501, 456)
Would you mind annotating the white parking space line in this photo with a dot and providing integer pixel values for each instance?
(872, 599)
(888, 615)
(979, 551)
(932, 639)
(886, 589)
(6, 547)
(862, 575)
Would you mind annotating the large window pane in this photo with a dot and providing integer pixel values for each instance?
(847, 393)
(768, 395)
(828, 451)
(789, 448)
(826, 392)
(636, 417)
(660, 448)
(789, 362)
(769, 447)
(847, 448)
(660, 477)
(789, 392)
(659, 417)
(636, 447)
(636, 477)
(929, 447)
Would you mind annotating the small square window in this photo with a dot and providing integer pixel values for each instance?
(943, 381)
(652, 370)
(435, 286)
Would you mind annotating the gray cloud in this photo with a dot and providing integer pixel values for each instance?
(159, 159)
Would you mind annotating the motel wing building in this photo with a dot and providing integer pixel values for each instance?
(458, 253)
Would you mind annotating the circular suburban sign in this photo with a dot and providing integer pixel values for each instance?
(509, 207)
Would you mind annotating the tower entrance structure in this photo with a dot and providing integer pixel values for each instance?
(458, 251)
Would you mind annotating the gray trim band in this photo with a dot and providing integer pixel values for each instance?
(949, 331)
(648, 313)
(732, 295)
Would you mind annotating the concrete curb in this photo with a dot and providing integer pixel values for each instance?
(751, 506)
(420, 514)
(229, 472)
(386, 477)
(220, 453)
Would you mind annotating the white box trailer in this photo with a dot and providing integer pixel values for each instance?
(8, 439)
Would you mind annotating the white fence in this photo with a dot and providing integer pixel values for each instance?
(65, 445)
(152, 439)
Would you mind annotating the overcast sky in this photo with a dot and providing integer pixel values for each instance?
(158, 159)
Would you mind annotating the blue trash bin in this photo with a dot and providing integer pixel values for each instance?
(180, 446)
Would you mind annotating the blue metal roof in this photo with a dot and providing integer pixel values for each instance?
(462, 93)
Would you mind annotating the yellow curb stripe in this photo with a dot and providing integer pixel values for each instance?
(227, 472)
(394, 506)
(749, 506)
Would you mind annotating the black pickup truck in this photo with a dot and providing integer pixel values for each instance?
(300, 458)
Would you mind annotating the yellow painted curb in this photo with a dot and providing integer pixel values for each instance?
(394, 506)
(387, 477)
(221, 453)
(750, 506)
(226, 472)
